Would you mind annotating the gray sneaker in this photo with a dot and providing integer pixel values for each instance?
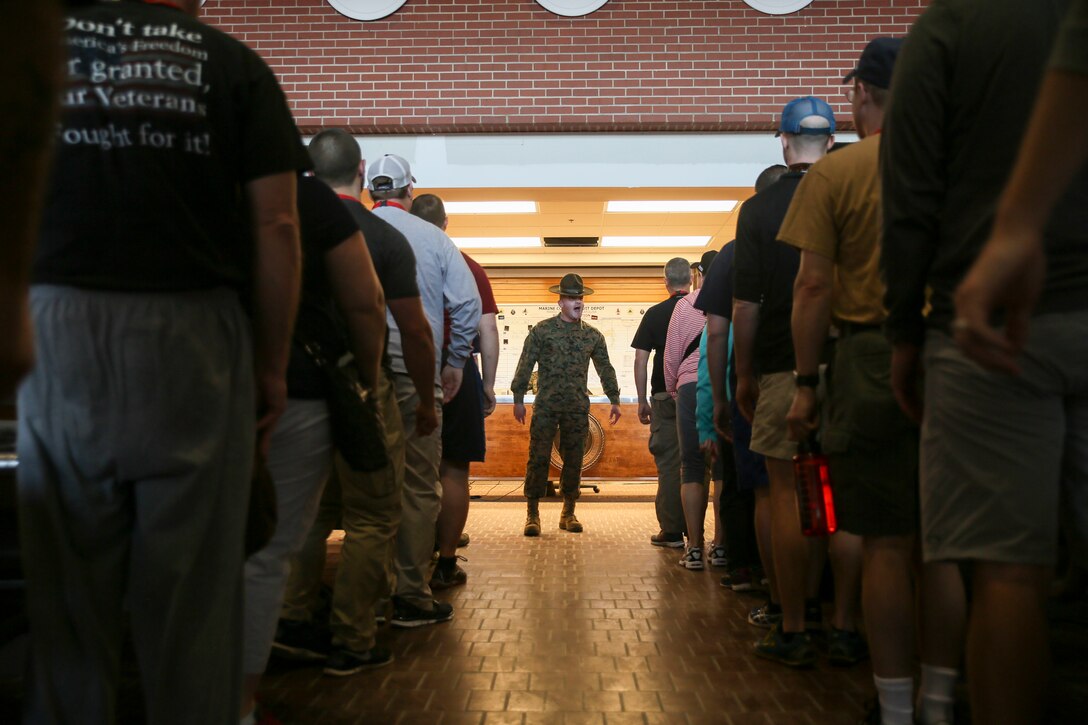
(406, 614)
(765, 615)
(692, 559)
(343, 662)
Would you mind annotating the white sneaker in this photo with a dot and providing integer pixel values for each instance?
(717, 556)
(692, 559)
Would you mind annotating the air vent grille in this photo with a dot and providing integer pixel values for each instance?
(571, 241)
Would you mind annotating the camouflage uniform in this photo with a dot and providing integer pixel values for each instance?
(563, 350)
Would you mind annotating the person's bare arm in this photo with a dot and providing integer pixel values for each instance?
(645, 411)
(809, 322)
(717, 355)
(358, 295)
(745, 324)
(276, 282)
(417, 344)
(489, 358)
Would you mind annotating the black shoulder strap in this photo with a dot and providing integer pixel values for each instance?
(692, 347)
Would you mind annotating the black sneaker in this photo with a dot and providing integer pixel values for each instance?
(845, 648)
(343, 662)
(793, 649)
(301, 641)
(463, 541)
(406, 614)
(672, 541)
(443, 578)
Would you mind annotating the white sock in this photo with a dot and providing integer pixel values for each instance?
(896, 695)
(250, 719)
(936, 694)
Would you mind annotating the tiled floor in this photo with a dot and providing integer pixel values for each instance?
(598, 627)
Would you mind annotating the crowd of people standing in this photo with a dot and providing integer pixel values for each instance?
(892, 297)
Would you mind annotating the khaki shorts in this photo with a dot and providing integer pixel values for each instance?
(996, 448)
(769, 434)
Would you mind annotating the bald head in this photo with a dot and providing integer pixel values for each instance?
(336, 157)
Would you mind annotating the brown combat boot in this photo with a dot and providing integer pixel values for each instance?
(532, 521)
(567, 520)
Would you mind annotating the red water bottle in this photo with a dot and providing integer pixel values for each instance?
(815, 503)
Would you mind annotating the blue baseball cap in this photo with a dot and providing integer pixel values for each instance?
(799, 109)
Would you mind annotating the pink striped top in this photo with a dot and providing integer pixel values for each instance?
(685, 325)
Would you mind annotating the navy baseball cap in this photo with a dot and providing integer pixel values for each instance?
(876, 62)
(799, 109)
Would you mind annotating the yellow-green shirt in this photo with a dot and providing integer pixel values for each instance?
(836, 214)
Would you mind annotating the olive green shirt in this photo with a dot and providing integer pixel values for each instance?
(563, 351)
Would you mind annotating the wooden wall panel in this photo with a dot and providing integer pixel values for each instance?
(534, 290)
(626, 454)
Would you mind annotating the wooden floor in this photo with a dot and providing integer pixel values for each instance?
(598, 627)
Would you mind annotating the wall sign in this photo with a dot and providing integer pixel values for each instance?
(571, 8)
(377, 9)
(366, 9)
(778, 7)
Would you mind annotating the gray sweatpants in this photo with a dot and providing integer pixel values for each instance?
(299, 459)
(136, 438)
(665, 448)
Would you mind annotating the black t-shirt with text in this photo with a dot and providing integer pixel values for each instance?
(162, 122)
(764, 270)
(650, 336)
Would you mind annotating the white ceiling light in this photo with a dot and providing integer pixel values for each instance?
(490, 207)
(655, 241)
(496, 242)
(675, 206)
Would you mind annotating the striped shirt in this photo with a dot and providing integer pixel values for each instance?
(686, 324)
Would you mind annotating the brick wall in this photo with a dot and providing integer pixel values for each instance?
(468, 66)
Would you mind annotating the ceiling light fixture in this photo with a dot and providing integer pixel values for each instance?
(490, 207)
(496, 242)
(654, 241)
(673, 206)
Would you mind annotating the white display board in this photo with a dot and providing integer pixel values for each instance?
(617, 321)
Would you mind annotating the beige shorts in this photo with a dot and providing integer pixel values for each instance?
(769, 433)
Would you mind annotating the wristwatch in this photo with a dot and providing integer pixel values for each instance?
(806, 381)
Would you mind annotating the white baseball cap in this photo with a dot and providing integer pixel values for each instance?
(389, 172)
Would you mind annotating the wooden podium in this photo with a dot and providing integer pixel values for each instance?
(625, 453)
